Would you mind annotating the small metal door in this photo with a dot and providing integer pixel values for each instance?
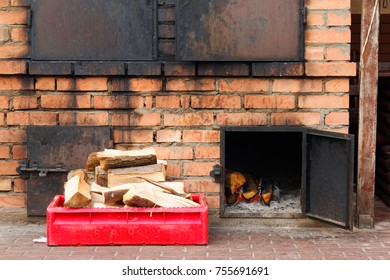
(328, 188)
(67, 147)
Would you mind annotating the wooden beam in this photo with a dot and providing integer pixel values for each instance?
(368, 87)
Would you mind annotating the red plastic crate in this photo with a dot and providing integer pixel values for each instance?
(126, 226)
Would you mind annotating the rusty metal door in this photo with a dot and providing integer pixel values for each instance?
(328, 188)
(240, 30)
(65, 148)
(93, 30)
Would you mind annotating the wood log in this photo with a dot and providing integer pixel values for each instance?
(119, 176)
(115, 194)
(92, 162)
(110, 158)
(251, 188)
(234, 181)
(138, 196)
(101, 176)
(77, 192)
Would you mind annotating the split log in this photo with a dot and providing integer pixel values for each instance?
(77, 192)
(92, 162)
(101, 176)
(115, 194)
(82, 173)
(138, 196)
(119, 176)
(110, 158)
(251, 188)
(234, 181)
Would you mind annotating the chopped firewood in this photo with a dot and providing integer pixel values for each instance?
(110, 158)
(251, 188)
(83, 174)
(115, 194)
(92, 162)
(97, 197)
(139, 196)
(77, 192)
(119, 176)
(234, 181)
(101, 176)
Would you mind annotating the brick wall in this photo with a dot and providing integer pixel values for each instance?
(175, 107)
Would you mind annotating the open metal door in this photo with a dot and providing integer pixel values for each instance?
(329, 177)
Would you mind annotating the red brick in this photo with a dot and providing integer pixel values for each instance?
(13, 201)
(327, 36)
(339, 18)
(185, 101)
(337, 85)
(31, 118)
(213, 202)
(2, 115)
(4, 152)
(4, 3)
(167, 101)
(148, 102)
(244, 85)
(19, 35)
(173, 169)
(293, 85)
(270, 101)
(200, 186)
(133, 136)
(145, 84)
(25, 102)
(216, 101)
(92, 84)
(328, 5)
(4, 34)
(5, 185)
(14, 51)
(179, 69)
(295, 118)
(337, 118)
(338, 53)
(15, 83)
(13, 67)
(84, 118)
(14, 17)
(174, 152)
(12, 136)
(207, 152)
(168, 135)
(20, 185)
(136, 119)
(198, 168)
(4, 102)
(323, 101)
(189, 119)
(66, 84)
(236, 119)
(330, 69)
(316, 19)
(118, 102)
(314, 53)
(60, 101)
(8, 167)
(19, 152)
(207, 136)
(45, 83)
(190, 84)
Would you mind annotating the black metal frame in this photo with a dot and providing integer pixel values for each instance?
(306, 165)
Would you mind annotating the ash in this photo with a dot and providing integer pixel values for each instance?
(290, 202)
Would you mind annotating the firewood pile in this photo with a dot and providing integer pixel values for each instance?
(245, 188)
(114, 178)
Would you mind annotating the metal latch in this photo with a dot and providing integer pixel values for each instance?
(24, 169)
(216, 173)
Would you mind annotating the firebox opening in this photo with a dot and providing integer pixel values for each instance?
(272, 160)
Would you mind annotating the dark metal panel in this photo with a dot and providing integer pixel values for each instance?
(93, 30)
(68, 146)
(240, 30)
(329, 177)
